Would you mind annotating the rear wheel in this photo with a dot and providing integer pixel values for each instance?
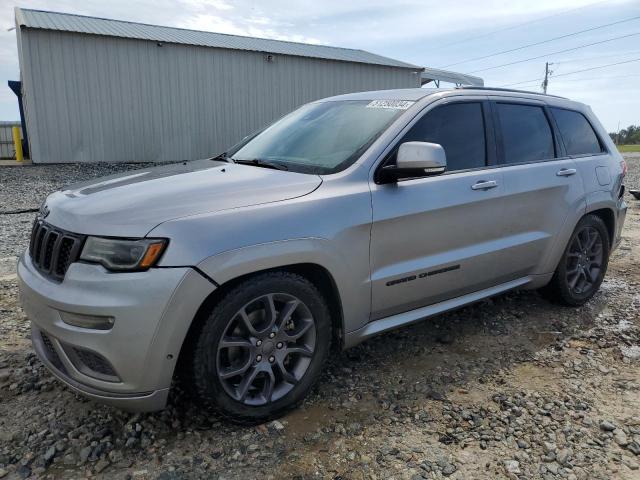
(583, 265)
(262, 347)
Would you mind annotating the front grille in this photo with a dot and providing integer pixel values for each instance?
(52, 250)
(51, 353)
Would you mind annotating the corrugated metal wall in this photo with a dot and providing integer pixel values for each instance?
(102, 99)
(7, 150)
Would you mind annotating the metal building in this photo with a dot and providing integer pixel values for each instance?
(98, 90)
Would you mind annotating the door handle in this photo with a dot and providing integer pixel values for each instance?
(484, 185)
(566, 172)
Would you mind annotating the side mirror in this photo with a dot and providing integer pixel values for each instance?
(416, 159)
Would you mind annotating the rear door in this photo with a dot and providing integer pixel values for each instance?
(542, 184)
(439, 237)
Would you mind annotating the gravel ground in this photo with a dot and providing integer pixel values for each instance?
(24, 188)
(512, 387)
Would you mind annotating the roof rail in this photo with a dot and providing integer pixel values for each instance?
(511, 90)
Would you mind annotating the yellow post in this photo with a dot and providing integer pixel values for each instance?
(18, 143)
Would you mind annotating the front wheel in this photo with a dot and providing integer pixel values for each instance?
(583, 264)
(262, 347)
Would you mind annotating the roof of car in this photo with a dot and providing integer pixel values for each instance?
(415, 94)
(412, 94)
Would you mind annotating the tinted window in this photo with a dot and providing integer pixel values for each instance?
(526, 134)
(459, 128)
(577, 134)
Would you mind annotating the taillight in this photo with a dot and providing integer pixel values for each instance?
(623, 164)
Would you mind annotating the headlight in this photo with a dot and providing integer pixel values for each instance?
(123, 255)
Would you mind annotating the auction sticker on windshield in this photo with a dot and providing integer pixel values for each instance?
(394, 104)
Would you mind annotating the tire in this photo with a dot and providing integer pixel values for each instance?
(563, 288)
(247, 363)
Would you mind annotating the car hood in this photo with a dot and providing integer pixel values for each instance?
(133, 203)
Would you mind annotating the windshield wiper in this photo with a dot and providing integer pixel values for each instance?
(222, 157)
(258, 162)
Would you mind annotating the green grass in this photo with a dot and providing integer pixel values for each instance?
(628, 148)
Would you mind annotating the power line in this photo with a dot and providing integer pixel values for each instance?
(589, 58)
(554, 53)
(488, 34)
(605, 77)
(543, 41)
(572, 73)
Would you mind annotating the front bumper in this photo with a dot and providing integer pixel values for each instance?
(131, 365)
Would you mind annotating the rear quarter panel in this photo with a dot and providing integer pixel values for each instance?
(601, 176)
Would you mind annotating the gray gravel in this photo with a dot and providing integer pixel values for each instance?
(513, 387)
(25, 188)
(633, 176)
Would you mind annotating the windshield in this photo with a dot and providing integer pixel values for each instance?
(321, 137)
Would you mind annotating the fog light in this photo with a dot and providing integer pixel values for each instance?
(94, 322)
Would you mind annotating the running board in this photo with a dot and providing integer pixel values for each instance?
(412, 316)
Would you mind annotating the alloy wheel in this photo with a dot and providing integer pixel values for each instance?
(266, 348)
(584, 260)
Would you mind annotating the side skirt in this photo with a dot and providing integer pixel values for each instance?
(401, 319)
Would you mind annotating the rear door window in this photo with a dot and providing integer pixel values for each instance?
(459, 129)
(577, 134)
(526, 133)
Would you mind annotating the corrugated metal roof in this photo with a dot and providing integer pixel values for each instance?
(430, 74)
(115, 28)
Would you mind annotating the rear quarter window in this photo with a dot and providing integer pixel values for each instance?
(577, 133)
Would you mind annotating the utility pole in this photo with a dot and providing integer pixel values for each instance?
(547, 72)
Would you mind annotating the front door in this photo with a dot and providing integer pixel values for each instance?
(439, 237)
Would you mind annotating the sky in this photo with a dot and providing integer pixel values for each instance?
(465, 36)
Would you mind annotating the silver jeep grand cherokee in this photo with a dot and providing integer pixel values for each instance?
(349, 217)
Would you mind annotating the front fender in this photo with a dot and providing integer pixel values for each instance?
(351, 280)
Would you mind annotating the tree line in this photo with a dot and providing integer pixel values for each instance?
(627, 136)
